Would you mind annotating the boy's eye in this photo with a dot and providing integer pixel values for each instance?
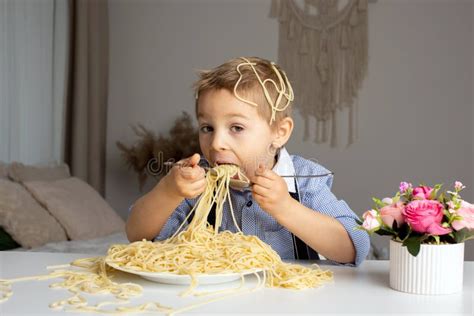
(205, 129)
(236, 128)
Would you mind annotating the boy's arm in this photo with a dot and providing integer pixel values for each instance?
(327, 225)
(151, 211)
(321, 232)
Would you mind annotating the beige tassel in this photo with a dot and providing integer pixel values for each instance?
(304, 45)
(344, 37)
(333, 129)
(283, 11)
(306, 128)
(274, 7)
(354, 19)
(306, 6)
(323, 62)
(324, 136)
(319, 132)
(323, 65)
(362, 5)
(291, 28)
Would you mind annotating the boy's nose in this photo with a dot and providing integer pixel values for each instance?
(218, 142)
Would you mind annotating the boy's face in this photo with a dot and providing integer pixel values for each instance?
(232, 131)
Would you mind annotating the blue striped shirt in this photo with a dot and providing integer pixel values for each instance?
(314, 193)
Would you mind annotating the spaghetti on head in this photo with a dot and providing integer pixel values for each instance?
(253, 80)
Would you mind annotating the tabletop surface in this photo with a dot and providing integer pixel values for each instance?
(354, 291)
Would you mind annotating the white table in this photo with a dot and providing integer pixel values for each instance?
(363, 290)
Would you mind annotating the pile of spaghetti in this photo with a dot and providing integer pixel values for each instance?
(201, 249)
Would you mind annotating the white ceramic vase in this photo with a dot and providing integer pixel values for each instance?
(436, 270)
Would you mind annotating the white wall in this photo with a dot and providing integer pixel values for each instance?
(415, 108)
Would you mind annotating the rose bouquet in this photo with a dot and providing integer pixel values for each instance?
(422, 215)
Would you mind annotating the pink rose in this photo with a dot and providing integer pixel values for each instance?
(393, 212)
(370, 220)
(466, 211)
(422, 193)
(425, 216)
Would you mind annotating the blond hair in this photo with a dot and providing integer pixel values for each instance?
(247, 78)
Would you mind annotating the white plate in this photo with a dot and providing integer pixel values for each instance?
(184, 279)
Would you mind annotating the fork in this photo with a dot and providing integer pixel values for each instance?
(242, 184)
(239, 184)
(171, 164)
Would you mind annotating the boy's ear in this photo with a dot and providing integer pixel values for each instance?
(283, 131)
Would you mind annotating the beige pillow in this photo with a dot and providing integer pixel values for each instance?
(82, 212)
(3, 170)
(23, 173)
(24, 219)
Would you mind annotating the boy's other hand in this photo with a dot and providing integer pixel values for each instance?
(270, 191)
(186, 179)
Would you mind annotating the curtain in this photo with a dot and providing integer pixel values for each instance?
(33, 49)
(86, 116)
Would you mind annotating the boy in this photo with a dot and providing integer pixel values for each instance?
(244, 112)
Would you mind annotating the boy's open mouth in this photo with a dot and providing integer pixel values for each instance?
(219, 163)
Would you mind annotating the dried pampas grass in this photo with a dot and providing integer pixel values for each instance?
(182, 142)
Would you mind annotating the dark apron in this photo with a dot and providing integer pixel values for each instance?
(302, 250)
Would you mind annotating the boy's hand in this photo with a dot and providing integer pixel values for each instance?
(186, 179)
(270, 191)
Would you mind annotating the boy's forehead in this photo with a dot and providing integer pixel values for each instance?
(223, 103)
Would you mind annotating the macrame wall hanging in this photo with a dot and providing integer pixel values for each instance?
(323, 46)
